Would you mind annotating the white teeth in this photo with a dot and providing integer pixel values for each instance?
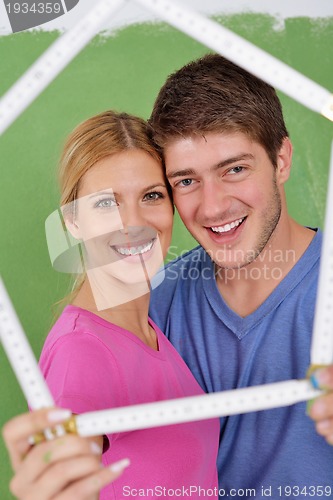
(134, 250)
(227, 227)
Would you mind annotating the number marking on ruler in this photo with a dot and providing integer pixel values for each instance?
(195, 408)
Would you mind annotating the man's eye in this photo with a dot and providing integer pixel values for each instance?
(106, 203)
(236, 170)
(185, 182)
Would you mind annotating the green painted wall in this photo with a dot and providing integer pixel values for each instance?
(124, 72)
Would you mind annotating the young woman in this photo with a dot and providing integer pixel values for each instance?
(104, 351)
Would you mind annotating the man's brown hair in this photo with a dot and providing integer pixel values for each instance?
(215, 95)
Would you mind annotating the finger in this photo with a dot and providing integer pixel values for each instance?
(322, 408)
(325, 428)
(55, 478)
(323, 378)
(82, 477)
(46, 455)
(326, 431)
(16, 432)
(89, 487)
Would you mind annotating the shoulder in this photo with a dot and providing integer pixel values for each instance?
(310, 260)
(78, 367)
(76, 339)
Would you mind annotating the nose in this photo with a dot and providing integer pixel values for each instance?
(215, 201)
(133, 221)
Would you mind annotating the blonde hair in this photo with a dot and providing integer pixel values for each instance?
(98, 137)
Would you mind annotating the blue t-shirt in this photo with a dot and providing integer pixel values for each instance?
(272, 449)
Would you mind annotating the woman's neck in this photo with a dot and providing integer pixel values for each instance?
(131, 315)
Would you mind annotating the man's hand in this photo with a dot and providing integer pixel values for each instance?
(321, 411)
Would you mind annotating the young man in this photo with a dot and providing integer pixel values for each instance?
(239, 308)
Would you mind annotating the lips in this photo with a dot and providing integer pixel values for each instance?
(134, 248)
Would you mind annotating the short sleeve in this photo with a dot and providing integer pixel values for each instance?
(82, 373)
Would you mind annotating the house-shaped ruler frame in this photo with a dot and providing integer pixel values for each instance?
(274, 72)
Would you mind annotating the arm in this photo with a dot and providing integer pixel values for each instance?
(65, 468)
(321, 411)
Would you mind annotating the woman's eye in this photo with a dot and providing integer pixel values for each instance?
(153, 196)
(106, 203)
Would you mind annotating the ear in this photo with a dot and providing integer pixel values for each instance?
(284, 158)
(72, 226)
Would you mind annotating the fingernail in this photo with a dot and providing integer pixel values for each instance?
(119, 466)
(320, 378)
(60, 431)
(48, 433)
(97, 450)
(58, 415)
(31, 441)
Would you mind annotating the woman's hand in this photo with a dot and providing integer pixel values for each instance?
(61, 469)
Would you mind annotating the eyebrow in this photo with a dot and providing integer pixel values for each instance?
(190, 171)
(100, 193)
(113, 193)
(153, 186)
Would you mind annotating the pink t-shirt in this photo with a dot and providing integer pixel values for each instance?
(91, 364)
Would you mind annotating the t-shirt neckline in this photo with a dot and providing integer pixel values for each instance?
(70, 309)
(241, 325)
